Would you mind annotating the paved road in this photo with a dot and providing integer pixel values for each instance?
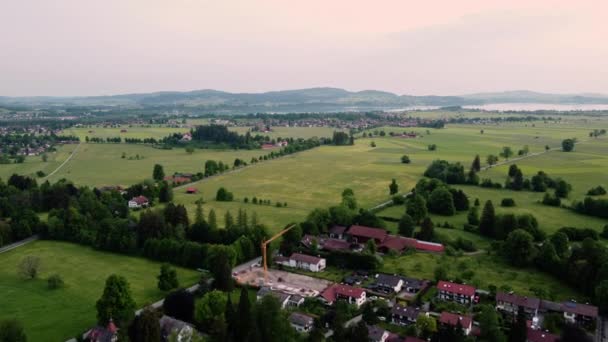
(64, 162)
(389, 202)
(19, 243)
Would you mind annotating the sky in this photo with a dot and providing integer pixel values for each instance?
(104, 47)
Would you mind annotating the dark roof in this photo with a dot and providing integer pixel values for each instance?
(170, 324)
(337, 230)
(301, 319)
(265, 291)
(465, 290)
(368, 232)
(530, 303)
(388, 280)
(309, 259)
(397, 243)
(580, 309)
(547, 305)
(375, 332)
(541, 336)
(335, 244)
(406, 311)
(452, 319)
(414, 283)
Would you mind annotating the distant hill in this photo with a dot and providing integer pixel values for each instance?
(312, 99)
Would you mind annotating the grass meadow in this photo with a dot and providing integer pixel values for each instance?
(57, 315)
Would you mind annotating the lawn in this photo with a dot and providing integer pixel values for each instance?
(56, 315)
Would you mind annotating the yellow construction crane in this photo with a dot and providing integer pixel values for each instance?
(266, 242)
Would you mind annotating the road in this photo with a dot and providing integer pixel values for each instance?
(19, 243)
(64, 162)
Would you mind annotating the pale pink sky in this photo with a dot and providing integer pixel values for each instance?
(85, 47)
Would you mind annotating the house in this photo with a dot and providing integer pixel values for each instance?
(361, 234)
(353, 295)
(377, 334)
(584, 314)
(301, 322)
(388, 283)
(337, 232)
(283, 298)
(413, 285)
(138, 202)
(432, 247)
(511, 303)
(336, 245)
(448, 318)
(396, 244)
(463, 294)
(303, 261)
(186, 137)
(295, 300)
(405, 315)
(181, 330)
(108, 333)
(540, 336)
(267, 146)
(191, 190)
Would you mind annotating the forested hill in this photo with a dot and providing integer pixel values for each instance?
(313, 99)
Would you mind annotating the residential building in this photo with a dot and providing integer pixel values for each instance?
(448, 318)
(138, 202)
(584, 314)
(388, 283)
(168, 326)
(413, 285)
(511, 303)
(108, 333)
(377, 334)
(353, 295)
(301, 322)
(540, 336)
(463, 294)
(307, 262)
(283, 298)
(405, 315)
(361, 234)
(337, 232)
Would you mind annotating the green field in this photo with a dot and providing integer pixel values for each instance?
(132, 131)
(57, 315)
(291, 132)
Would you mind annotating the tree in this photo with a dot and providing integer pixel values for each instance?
(223, 195)
(506, 152)
(212, 220)
(393, 187)
(426, 230)
(189, 149)
(561, 243)
(416, 208)
(406, 226)
(370, 246)
(405, 159)
(519, 248)
(568, 145)
(244, 316)
(29, 267)
(491, 159)
(441, 202)
(573, 333)
(209, 313)
(426, 326)
(146, 327)
(489, 325)
(562, 189)
(231, 318)
(158, 174)
(488, 220)
(441, 273)
(476, 166)
(54, 282)
(116, 302)
(271, 321)
(220, 260)
(11, 330)
(359, 333)
(167, 279)
(165, 192)
(369, 315)
(348, 199)
(519, 328)
(473, 216)
(179, 304)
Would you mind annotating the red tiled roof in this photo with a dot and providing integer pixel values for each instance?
(337, 230)
(452, 319)
(398, 243)
(191, 190)
(580, 309)
(179, 180)
(412, 339)
(140, 200)
(268, 146)
(368, 232)
(541, 336)
(344, 290)
(309, 259)
(531, 303)
(465, 290)
(335, 244)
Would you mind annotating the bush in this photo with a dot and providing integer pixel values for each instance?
(55, 281)
(470, 228)
(224, 195)
(398, 200)
(405, 159)
(604, 233)
(551, 200)
(465, 245)
(597, 191)
(579, 234)
(432, 147)
(507, 202)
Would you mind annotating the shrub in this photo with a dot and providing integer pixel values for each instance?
(551, 200)
(597, 191)
(470, 228)
(604, 233)
(507, 202)
(55, 281)
(405, 159)
(579, 234)
(432, 147)
(224, 195)
(465, 245)
(398, 200)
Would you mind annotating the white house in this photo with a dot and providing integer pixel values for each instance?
(138, 202)
(301, 322)
(305, 262)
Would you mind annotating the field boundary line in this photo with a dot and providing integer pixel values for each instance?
(18, 244)
(64, 162)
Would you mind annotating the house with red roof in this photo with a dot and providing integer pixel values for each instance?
(191, 190)
(463, 294)
(448, 318)
(361, 234)
(510, 303)
(305, 262)
(579, 313)
(351, 294)
(540, 336)
(139, 202)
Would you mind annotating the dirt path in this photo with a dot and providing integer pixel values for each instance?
(64, 162)
(18, 244)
